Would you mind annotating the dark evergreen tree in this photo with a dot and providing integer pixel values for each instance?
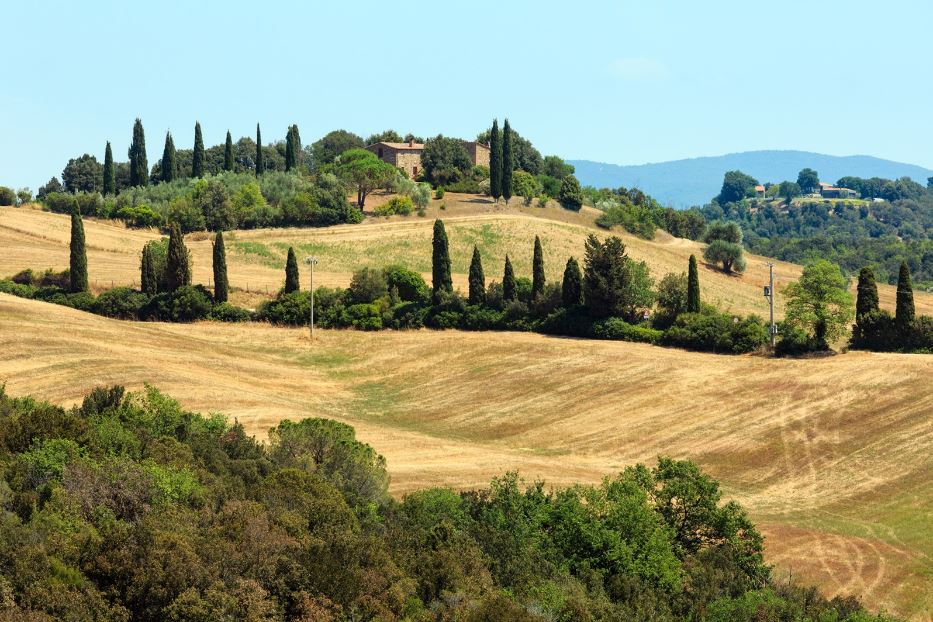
(197, 157)
(292, 281)
(866, 299)
(292, 147)
(178, 261)
(508, 282)
(169, 164)
(139, 164)
(572, 286)
(110, 173)
(260, 164)
(537, 271)
(440, 261)
(228, 153)
(477, 279)
(508, 161)
(495, 161)
(904, 312)
(693, 287)
(78, 261)
(221, 286)
(148, 278)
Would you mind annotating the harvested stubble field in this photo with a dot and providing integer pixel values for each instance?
(832, 456)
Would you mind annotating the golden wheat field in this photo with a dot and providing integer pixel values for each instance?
(831, 456)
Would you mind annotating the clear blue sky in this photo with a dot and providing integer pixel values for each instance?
(616, 81)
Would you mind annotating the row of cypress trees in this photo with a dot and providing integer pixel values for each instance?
(501, 161)
(139, 164)
(866, 302)
(178, 266)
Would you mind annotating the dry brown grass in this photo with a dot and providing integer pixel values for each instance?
(256, 259)
(832, 456)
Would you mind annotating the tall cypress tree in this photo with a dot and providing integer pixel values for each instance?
(197, 158)
(169, 164)
(228, 153)
(110, 175)
(177, 262)
(866, 299)
(139, 164)
(508, 282)
(904, 312)
(537, 271)
(292, 147)
(148, 279)
(508, 161)
(292, 282)
(495, 161)
(220, 269)
(77, 266)
(260, 165)
(477, 279)
(440, 261)
(572, 286)
(693, 286)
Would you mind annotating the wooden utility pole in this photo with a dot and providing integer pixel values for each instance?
(769, 294)
(311, 261)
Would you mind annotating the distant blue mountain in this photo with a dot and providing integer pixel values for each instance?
(684, 183)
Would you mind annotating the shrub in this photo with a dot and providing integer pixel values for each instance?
(571, 194)
(794, 341)
(618, 329)
(49, 278)
(7, 196)
(188, 303)
(466, 186)
(226, 312)
(366, 286)
(920, 335)
(409, 284)
(141, 216)
(121, 302)
(82, 301)
(716, 332)
(439, 193)
(365, 316)
(401, 205)
(17, 289)
(292, 309)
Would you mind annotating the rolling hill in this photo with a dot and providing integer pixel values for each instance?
(685, 183)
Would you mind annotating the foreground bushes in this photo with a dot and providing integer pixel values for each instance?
(128, 507)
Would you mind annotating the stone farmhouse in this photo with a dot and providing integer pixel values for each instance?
(407, 156)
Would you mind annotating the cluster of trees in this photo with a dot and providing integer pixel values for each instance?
(128, 507)
(876, 329)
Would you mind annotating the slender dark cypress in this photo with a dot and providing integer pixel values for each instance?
(904, 312)
(292, 282)
(693, 286)
(110, 175)
(440, 261)
(78, 261)
(148, 279)
(292, 147)
(197, 158)
(537, 271)
(177, 263)
(220, 269)
(477, 279)
(139, 164)
(260, 165)
(169, 165)
(508, 282)
(228, 153)
(572, 286)
(495, 161)
(866, 299)
(508, 161)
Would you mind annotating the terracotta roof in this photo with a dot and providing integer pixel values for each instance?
(759, 188)
(403, 146)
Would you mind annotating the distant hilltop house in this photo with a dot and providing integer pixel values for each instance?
(407, 156)
(760, 191)
(829, 191)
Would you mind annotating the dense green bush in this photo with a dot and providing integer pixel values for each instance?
(226, 312)
(617, 328)
(188, 303)
(401, 205)
(293, 309)
(716, 332)
(121, 302)
(140, 216)
(7, 196)
(409, 284)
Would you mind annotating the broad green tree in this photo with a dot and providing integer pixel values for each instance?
(537, 271)
(613, 284)
(364, 171)
(736, 186)
(228, 153)
(441, 281)
(693, 286)
(495, 162)
(808, 180)
(572, 285)
(83, 174)
(221, 287)
(292, 281)
(904, 311)
(508, 282)
(197, 156)
(110, 177)
(326, 149)
(260, 163)
(445, 160)
(139, 164)
(788, 190)
(477, 279)
(178, 260)
(866, 299)
(819, 303)
(571, 194)
(77, 265)
(508, 161)
(724, 241)
(169, 160)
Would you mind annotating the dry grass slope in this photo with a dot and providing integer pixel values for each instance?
(833, 456)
